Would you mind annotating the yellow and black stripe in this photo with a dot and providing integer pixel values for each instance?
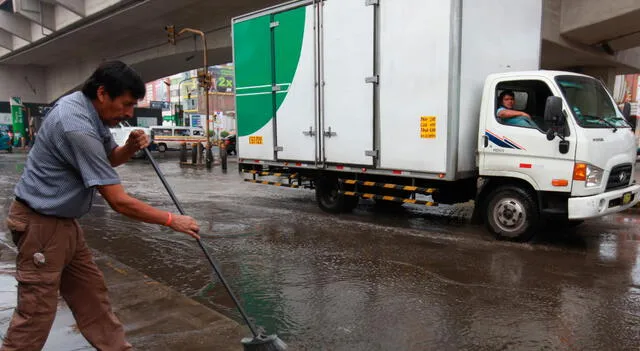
(413, 189)
(390, 198)
(273, 174)
(255, 181)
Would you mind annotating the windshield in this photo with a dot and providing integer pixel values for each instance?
(590, 103)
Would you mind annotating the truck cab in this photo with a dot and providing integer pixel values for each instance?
(575, 161)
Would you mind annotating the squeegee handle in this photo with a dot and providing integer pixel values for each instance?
(204, 249)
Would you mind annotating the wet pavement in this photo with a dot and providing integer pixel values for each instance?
(417, 279)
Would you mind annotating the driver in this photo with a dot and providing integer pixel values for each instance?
(506, 113)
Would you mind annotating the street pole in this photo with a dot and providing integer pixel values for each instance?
(205, 80)
(180, 97)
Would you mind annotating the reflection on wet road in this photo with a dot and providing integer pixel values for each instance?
(420, 279)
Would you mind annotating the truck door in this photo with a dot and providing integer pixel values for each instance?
(347, 91)
(294, 41)
(519, 148)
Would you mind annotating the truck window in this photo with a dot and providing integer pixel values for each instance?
(590, 103)
(197, 132)
(527, 111)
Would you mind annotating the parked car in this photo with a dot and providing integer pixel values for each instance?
(230, 144)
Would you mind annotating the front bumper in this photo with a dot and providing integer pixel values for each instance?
(603, 204)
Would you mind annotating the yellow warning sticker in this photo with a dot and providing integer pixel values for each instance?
(255, 140)
(428, 127)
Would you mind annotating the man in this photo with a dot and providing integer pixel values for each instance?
(510, 116)
(74, 156)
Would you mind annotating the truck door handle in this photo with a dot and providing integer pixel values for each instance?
(486, 140)
(309, 132)
(329, 133)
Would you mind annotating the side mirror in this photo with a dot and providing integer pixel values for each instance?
(626, 111)
(553, 111)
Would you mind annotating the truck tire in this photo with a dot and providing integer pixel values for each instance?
(512, 214)
(329, 198)
(162, 147)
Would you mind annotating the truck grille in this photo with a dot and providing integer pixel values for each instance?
(620, 177)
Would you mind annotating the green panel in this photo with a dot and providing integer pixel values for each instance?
(252, 50)
(255, 45)
(288, 37)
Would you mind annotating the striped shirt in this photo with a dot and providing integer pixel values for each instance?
(68, 160)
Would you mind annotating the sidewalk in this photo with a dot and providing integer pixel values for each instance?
(155, 316)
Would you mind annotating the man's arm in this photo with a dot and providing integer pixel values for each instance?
(131, 207)
(506, 113)
(121, 154)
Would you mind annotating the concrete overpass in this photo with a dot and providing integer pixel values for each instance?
(48, 47)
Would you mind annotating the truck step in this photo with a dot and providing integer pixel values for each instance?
(389, 198)
(413, 189)
(255, 181)
(272, 174)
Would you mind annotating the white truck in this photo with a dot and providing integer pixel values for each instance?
(386, 99)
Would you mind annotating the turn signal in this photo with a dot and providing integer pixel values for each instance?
(559, 182)
(580, 171)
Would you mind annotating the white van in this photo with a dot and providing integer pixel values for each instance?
(170, 137)
(121, 133)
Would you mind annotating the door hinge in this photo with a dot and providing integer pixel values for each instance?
(372, 2)
(278, 148)
(372, 153)
(373, 79)
(328, 133)
(274, 24)
(309, 132)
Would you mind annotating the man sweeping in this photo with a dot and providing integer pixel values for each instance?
(74, 156)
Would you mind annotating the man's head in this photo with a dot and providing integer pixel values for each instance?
(114, 88)
(507, 99)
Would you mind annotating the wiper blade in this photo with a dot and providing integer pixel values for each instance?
(604, 121)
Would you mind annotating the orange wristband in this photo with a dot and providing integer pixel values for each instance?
(169, 220)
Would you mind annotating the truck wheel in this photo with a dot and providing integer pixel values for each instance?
(162, 147)
(511, 214)
(329, 198)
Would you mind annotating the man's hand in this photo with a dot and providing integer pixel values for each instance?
(185, 224)
(137, 140)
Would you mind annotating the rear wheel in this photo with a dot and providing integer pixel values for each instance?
(329, 197)
(511, 214)
(162, 147)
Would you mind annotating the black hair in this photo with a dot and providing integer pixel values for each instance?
(117, 79)
(503, 94)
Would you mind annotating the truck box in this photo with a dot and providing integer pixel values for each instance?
(393, 86)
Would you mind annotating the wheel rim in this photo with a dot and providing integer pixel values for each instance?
(331, 195)
(510, 216)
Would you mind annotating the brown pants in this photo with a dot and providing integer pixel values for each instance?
(68, 268)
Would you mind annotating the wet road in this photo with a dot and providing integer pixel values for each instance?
(420, 279)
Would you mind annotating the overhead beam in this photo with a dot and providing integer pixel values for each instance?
(16, 25)
(76, 6)
(36, 11)
(6, 40)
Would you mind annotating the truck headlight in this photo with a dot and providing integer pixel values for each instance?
(590, 174)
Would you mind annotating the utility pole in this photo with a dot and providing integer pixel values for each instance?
(204, 78)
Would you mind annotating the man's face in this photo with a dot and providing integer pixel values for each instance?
(508, 101)
(113, 111)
